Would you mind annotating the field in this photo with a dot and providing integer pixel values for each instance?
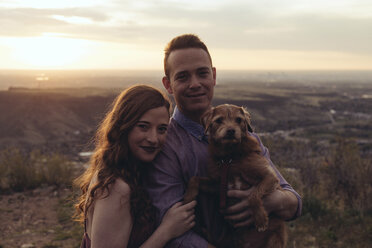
(318, 131)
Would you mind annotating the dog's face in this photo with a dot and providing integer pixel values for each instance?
(226, 124)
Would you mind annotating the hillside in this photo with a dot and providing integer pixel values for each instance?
(319, 136)
(65, 119)
(53, 121)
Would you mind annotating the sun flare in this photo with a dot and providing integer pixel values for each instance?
(49, 51)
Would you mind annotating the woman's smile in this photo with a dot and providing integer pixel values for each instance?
(148, 135)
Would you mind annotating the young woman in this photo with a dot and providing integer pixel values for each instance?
(114, 206)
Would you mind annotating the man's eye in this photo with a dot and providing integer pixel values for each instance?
(181, 77)
(204, 73)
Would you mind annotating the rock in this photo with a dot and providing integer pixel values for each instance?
(36, 192)
(28, 246)
(21, 198)
(37, 222)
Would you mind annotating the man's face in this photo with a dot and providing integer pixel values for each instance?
(191, 81)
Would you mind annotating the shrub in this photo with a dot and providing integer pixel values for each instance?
(349, 176)
(313, 206)
(20, 171)
(56, 170)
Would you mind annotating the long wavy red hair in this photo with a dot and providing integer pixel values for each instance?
(112, 158)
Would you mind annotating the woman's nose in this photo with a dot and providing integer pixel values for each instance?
(152, 136)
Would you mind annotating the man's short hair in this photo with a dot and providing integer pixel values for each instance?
(182, 42)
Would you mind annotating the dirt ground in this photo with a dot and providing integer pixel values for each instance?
(35, 219)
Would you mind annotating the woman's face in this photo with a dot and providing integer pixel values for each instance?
(148, 135)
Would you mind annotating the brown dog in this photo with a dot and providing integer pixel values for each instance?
(236, 163)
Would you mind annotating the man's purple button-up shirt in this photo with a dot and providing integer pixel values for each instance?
(184, 155)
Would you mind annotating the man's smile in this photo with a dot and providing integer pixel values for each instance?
(195, 95)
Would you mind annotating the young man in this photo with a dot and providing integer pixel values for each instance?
(190, 78)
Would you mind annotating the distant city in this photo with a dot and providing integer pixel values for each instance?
(123, 78)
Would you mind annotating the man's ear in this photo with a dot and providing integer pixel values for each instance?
(214, 74)
(247, 119)
(167, 84)
(206, 119)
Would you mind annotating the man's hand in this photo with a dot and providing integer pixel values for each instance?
(281, 203)
(239, 214)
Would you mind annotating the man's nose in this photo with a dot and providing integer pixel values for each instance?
(195, 81)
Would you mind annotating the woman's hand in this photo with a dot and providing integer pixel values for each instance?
(178, 219)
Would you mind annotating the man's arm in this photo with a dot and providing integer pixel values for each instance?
(285, 204)
(281, 203)
(291, 202)
(166, 186)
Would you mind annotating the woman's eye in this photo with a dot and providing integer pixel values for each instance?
(142, 126)
(162, 129)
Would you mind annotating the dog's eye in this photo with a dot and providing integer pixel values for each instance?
(219, 120)
(238, 120)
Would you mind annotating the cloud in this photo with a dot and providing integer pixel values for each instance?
(276, 25)
(305, 32)
(33, 22)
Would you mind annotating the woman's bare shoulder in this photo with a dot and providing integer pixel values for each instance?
(120, 187)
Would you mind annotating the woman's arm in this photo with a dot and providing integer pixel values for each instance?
(112, 221)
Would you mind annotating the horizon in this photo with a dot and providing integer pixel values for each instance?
(44, 79)
(162, 71)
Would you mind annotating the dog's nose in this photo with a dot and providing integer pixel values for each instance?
(230, 132)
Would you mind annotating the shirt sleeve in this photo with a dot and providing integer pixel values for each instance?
(283, 183)
(166, 186)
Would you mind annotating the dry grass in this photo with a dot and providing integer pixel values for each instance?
(20, 171)
(337, 194)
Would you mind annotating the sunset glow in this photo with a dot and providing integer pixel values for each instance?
(48, 51)
(240, 34)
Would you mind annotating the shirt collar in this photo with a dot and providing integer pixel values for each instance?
(194, 128)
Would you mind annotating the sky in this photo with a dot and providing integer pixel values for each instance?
(240, 34)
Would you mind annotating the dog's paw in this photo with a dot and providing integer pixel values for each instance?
(261, 228)
(261, 221)
(192, 190)
(189, 196)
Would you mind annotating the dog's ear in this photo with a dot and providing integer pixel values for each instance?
(206, 119)
(247, 119)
